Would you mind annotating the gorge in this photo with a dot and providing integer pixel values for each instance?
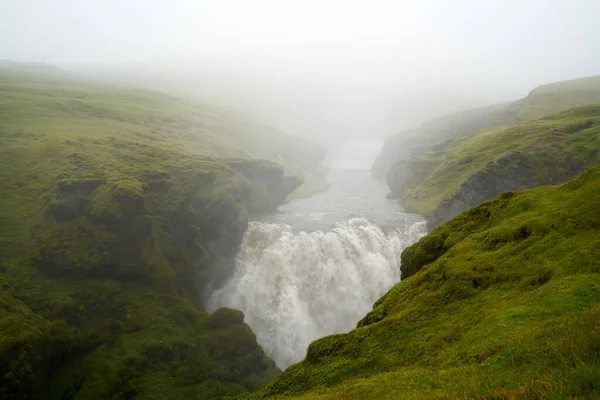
(316, 267)
(178, 234)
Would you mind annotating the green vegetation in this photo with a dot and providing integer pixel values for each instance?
(311, 186)
(54, 104)
(558, 96)
(501, 302)
(455, 162)
(114, 227)
(541, 152)
(542, 101)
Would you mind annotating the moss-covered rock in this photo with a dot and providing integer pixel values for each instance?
(274, 185)
(431, 247)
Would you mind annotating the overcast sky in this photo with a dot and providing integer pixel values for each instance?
(385, 52)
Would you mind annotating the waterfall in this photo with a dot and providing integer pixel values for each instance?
(295, 287)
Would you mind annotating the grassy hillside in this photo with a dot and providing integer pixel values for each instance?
(114, 226)
(442, 133)
(554, 148)
(436, 134)
(559, 96)
(501, 302)
(541, 101)
(39, 100)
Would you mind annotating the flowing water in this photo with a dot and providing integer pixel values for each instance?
(317, 265)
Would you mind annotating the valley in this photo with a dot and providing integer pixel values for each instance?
(161, 248)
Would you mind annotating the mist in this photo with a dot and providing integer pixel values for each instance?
(329, 71)
(264, 198)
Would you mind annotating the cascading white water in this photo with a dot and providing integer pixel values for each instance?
(317, 265)
(295, 287)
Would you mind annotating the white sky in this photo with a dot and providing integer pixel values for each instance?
(485, 49)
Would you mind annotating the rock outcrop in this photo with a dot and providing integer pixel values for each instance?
(128, 259)
(443, 183)
(517, 171)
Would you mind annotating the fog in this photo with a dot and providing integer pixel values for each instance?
(327, 70)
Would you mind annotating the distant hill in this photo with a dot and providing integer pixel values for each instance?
(559, 96)
(40, 97)
(438, 133)
(296, 107)
(501, 302)
(35, 68)
(471, 170)
(429, 169)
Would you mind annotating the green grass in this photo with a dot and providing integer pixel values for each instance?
(313, 184)
(115, 224)
(426, 165)
(559, 96)
(501, 302)
(556, 147)
(36, 106)
(542, 101)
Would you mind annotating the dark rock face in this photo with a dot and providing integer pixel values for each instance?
(504, 175)
(271, 178)
(517, 171)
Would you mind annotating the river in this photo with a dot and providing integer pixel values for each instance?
(317, 265)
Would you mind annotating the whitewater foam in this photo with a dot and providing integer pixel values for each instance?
(295, 287)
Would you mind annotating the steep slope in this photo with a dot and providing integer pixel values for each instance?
(443, 171)
(559, 96)
(547, 151)
(436, 134)
(439, 133)
(114, 227)
(501, 302)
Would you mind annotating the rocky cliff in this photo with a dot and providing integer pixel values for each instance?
(532, 166)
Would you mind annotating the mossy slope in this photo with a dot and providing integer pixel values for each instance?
(428, 165)
(38, 98)
(551, 150)
(113, 230)
(501, 302)
(437, 134)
